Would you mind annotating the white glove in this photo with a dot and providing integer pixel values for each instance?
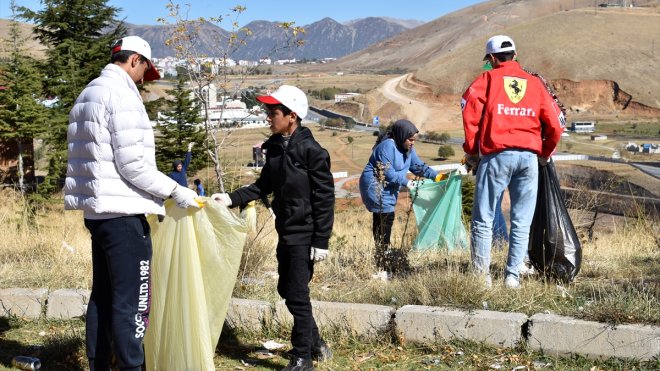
(222, 198)
(411, 184)
(317, 254)
(185, 197)
(190, 145)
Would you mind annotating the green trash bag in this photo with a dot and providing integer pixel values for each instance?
(438, 212)
(196, 256)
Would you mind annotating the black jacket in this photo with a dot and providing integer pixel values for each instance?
(303, 189)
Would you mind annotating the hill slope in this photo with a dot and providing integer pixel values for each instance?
(603, 62)
(616, 45)
(414, 48)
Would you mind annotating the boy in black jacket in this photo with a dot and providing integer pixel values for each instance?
(297, 172)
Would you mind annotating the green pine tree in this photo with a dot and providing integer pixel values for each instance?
(78, 35)
(177, 127)
(22, 116)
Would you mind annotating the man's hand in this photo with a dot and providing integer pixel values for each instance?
(543, 160)
(190, 145)
(185, 197)
(222, 198)
(317, 254)
(471, 162)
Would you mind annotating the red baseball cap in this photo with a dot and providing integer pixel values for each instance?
(140, 46)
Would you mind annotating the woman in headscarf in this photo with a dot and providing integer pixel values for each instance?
(384, 174)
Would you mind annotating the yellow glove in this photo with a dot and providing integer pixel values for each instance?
(441, 176)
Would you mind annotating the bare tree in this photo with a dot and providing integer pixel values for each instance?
(185, 41)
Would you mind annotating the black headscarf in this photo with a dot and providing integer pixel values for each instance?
(400, 131)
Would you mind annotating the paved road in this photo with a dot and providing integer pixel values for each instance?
(651, 170)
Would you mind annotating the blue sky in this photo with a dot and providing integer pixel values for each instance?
(303, 12)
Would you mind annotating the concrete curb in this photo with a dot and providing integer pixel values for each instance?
(25, 303)
(414, 323)
(427, 324)
(563, 335)
(357, 319)
(67, 303)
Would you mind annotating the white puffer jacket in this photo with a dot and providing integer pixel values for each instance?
(111, 155)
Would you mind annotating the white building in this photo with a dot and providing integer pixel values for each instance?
(344, 96)
(583, 126)
(234, 113)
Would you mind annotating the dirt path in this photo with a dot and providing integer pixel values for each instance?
(426, 115)
(341, 153)
(416, 111)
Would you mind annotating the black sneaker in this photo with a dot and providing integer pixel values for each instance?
(321, 351)
(299, 364)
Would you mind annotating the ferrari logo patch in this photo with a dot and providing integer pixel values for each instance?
(515, 88)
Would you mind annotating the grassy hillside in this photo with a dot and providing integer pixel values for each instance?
(32, 47)
(621, 45)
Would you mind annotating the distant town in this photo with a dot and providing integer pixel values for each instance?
(168, 65)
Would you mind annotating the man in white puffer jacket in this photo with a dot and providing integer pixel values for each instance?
(112, 177)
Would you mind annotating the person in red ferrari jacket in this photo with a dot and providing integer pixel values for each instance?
(511, 126)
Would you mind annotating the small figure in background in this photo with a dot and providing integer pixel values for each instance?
(199, 188)
(179, 168)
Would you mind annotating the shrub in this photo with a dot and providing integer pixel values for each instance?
(445, 151)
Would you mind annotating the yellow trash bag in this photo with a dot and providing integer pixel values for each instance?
(249, 214)
(196, 256)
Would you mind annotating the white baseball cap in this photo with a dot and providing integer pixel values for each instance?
(290, 97)
(494, 45)
(140, 46)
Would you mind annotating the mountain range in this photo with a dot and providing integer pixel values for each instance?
(325, 38)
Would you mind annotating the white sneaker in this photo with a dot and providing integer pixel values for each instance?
(382, 275)
(511, 283)
(524, 270)
(488, 281)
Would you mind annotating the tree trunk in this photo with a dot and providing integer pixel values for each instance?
(21, 186)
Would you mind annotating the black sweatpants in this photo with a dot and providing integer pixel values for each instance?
(296, 270)
(118, 309)
(382, 232)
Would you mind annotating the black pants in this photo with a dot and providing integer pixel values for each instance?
(296, 270)
(118, 309)
(382, 231)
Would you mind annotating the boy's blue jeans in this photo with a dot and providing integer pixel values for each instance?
(517, 170)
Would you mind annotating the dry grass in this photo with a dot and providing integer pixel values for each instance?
(51, 251)
(60, 346)
(619, 281)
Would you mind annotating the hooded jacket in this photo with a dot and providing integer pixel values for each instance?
(387, 169)
(180, 176)
(298, 175)
(111, 167)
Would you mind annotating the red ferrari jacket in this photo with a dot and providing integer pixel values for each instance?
(508, 108)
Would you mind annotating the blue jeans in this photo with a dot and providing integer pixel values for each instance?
(517, 170)
(500, 231)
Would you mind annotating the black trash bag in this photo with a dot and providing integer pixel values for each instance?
(554, 247)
